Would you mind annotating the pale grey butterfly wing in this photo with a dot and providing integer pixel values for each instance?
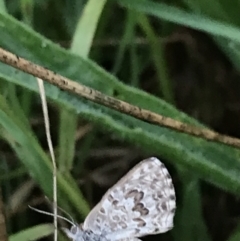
(141, 203)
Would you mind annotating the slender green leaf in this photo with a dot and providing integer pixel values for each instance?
(127, 38)
(226, 35)
(190, 228)
(33, 233)
(159, 59)
(21, 139)
(82, 42)
(3, 6)
(178, 16)
(86, 27)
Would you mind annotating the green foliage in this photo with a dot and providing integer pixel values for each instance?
(33, 233)
(195, 159)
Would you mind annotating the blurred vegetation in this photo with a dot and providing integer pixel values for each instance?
(177, 58)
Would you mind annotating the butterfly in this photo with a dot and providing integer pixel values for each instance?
(142, 202)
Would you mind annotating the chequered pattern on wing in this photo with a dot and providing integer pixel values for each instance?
(141, 203)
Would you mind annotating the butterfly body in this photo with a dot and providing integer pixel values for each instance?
(78, 234)
(141, 203)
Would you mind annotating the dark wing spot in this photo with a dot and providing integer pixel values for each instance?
(168, 176)
(98, 220)
(121, 208)
(131, 193)
(116, 218)
(102, 210)
(141, 223)
(139, 196)
(144, 212)
(173, 210)
(164, 206)
(172, 197)
(139, 207)
(157, 195)
(110, 198)
(123, 225)
(160, 195)
(137, 230)
(115, 202)
(156, 230)
(155, 180)
(162, 166)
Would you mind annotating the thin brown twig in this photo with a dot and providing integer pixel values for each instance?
(108, 101)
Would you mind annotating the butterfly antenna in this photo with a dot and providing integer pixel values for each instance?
(62, 210)
(50, 214)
